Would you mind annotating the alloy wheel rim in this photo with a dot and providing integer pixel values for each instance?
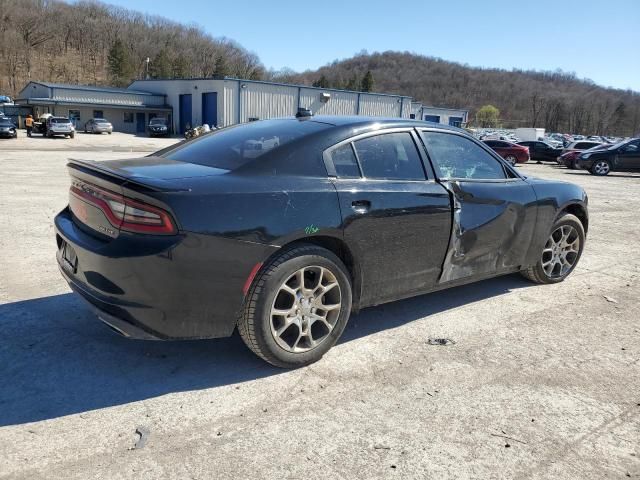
(305, 309)
(561, 251)
(511, 159)
(602, 167)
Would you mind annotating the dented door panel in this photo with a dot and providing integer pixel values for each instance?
(493, 223)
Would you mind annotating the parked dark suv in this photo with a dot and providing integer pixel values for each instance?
(158, 127)
(621, 156)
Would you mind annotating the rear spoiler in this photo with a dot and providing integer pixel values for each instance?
(137, 182)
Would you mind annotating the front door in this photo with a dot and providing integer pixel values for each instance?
(140, 122)
(395, 217)
(629, 155)
(494, 209)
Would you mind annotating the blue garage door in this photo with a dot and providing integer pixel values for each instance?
(185, 113)
(432, 118)
(455, 121)
(210, 108)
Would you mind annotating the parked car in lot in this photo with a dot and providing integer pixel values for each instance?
(542, 150)
(570, 153)
(7, 128)
(60, 126)
(333, 214)
(98, 125)
(621, 156)
(570, 159)
(158, 127)
(511, 152)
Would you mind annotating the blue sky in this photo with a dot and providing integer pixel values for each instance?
(596, 40)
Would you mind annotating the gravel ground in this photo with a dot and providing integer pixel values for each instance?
(542, 381)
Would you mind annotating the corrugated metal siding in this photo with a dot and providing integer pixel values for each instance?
(107, 98)
(340, 103)
(258, 100)
(379, 106)
(230, 110)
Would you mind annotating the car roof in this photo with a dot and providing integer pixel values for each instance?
(361, 120)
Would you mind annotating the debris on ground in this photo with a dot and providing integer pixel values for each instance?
(381, 447)
(143, 436)
(610, 299)
(440, 341)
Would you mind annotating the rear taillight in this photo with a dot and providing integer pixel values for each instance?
(125, 213)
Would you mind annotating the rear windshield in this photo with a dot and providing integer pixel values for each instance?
(232, 147)
(59, 120)
(100, 120)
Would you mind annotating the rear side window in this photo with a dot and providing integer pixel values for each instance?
(459, 157)
(390, 156)
(233, 147)
(585, 145)
(344, 161)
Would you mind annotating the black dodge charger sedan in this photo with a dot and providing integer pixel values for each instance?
(283, 227)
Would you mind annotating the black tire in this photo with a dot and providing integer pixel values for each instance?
(600, 168)
(254, 323)
(511, 160)
(72, 135)
(536, 273)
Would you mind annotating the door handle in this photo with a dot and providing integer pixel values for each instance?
(361, 206)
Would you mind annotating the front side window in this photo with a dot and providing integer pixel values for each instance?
(390, 156)
(459, 157)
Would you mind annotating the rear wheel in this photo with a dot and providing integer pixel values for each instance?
(297, 307)
(511, 159)
(600, 168)
(561, 252)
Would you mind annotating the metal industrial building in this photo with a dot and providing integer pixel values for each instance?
(128, 110)
(448, 116)
(227, 101)
(215, 101)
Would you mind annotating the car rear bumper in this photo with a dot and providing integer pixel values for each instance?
(183, 286)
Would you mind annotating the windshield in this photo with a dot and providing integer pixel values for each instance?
(59, 120)
(5, 122)
(617, 145)
(232, 147)
(158, 121)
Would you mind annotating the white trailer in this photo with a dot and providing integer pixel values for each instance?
(529, 134)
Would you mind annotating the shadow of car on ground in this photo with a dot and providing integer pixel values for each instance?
(57, 359)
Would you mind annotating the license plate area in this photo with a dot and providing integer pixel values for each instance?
(69, 257)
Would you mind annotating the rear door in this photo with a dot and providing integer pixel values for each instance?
(494, 209)
(396, 218)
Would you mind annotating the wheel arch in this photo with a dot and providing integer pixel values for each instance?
(579, 211)
(338, 247)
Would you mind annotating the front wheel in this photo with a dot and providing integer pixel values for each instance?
(511, 159)
(600, 168)
(297, 307)
(561, 252)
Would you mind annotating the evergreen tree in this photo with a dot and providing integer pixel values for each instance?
(367, 82)
(160, 65)
(352, 83)
(120, 67)
(180, 67)
(221, 67)
(322, 82)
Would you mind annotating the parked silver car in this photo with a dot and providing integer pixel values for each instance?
(60, 126)
(98, 125)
